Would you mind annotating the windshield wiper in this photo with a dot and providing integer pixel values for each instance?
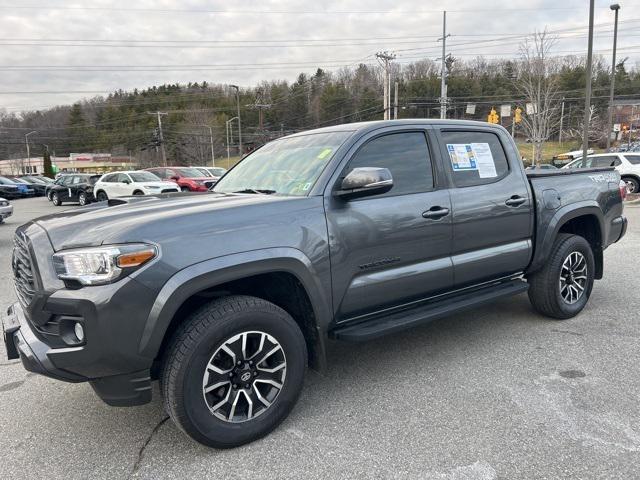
(263, 191)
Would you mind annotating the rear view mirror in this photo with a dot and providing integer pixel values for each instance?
(365, 181)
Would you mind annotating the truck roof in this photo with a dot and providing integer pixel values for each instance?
(373, 125)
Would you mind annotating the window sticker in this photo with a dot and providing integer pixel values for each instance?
(324, 153)
(484, 160)
(462, 156)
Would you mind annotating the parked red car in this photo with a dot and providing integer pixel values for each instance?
(188, 179)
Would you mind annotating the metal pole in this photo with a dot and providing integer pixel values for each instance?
(633, 107)
(615, 7)
(228, 153)
(443, 82)
(385, 93)
(164, 153)
(239, 121)
(395, 103)
(561, 122)
(587, 96)
(26, 141)
(213, 156)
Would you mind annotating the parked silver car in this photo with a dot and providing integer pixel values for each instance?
(6, 209)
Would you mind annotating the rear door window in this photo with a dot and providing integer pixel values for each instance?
(474, 158)
(605, 161)
(633, 159)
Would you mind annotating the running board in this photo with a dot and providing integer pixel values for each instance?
(395, 322)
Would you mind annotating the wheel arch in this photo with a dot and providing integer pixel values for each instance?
(284, 277)
(586, 221)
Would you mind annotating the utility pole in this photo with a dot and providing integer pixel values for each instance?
(587, 96)
(26, 141)
(615, 7)
(160, 134)
(229, 123)
(443, 75)
(561, 122)
(213, 157)
(395, 103)
(386, 58)
(239, 121)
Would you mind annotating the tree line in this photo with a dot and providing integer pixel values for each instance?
(125, 123)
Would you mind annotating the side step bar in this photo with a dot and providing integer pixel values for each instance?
(395, 322)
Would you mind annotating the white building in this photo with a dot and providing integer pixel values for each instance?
(76, 162)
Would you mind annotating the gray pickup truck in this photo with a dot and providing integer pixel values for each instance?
(349, 233)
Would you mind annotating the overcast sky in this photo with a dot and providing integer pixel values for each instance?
(245, 42)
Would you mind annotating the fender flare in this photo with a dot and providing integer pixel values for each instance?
(208, 274)
(562, 216)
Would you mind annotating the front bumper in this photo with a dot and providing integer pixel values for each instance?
(22, 342)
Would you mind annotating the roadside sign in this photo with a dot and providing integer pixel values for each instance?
(505, 110)
(471, 109)
(616, 127)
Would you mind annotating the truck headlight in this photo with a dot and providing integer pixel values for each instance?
(100, 265)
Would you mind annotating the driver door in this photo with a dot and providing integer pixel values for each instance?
(389, 250)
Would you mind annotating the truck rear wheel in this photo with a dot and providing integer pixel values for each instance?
(562, 288)
(233, 371)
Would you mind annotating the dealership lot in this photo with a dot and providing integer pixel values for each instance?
(500, 392)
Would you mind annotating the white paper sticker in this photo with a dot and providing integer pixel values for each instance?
(484, 160)
(462, 156)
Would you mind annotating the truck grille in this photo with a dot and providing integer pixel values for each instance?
(22, 271)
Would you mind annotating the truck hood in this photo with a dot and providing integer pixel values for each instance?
(145, 218)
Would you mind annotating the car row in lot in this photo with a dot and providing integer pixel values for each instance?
(85, 188)
(13, 187)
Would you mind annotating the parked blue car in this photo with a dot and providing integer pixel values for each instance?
(23, 190)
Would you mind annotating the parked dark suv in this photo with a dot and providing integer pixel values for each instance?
(349, 232)
(73, 188)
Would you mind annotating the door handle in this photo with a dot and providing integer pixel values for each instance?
(435, 213)
(515, 201)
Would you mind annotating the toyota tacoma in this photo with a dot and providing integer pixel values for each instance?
(348, 233)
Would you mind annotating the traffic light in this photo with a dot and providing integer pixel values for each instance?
(517, 117)
(493, 116)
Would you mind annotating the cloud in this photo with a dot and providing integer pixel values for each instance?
(169, 22)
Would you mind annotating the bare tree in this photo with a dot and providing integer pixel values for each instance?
(537, 81)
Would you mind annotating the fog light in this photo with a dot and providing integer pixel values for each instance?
(79, 331)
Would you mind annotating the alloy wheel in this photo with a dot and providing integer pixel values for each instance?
(244, 376)
(573, 277)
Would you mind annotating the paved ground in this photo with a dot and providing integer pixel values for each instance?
(497, 393)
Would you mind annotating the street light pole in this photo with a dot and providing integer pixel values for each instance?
(228, 139)
(26, 141)
(615, 7)
(587, 95)
(239, 121)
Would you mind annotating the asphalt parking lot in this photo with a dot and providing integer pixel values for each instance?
(498, 393)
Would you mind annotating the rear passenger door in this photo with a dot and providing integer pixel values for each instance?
(491, 203)
(385, 252)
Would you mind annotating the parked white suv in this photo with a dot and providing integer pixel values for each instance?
(626, 163)
(123, 184)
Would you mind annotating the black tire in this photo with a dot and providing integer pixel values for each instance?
(184, 189)
(82, 199)
(138, 192)
(192, 348)
(49, 195)
(55, 199)
(545, 287)
(633, 185)
(102, 196)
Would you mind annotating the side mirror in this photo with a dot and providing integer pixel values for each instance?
(365, 181)
(126, 181)
(174, 178)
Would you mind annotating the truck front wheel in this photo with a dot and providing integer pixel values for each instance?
(562, 288)
(233, 371)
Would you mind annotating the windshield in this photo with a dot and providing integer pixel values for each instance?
(205, 172)
(289, 166)
(217, 171)
(190, 172)
(144, 177)
(6, 181)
